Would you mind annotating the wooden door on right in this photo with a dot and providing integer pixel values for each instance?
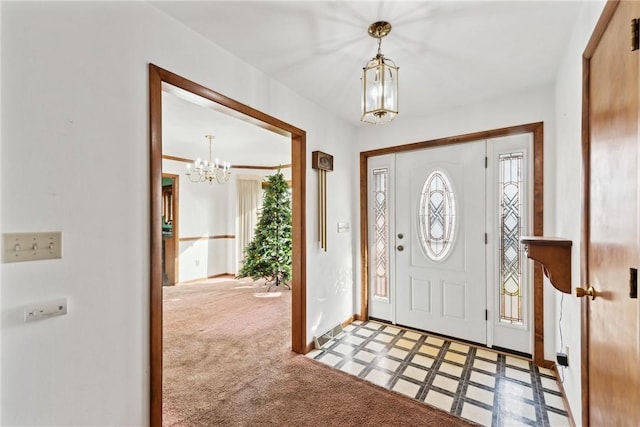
(611, 215)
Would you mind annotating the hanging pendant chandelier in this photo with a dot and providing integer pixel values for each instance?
(379, 82)
(209, 170)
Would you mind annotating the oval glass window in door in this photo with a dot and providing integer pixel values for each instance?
(437, 216)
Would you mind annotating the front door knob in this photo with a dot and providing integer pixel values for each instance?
(590, 291)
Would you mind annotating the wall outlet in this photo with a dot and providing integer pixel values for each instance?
(45, 310)
(562, 359)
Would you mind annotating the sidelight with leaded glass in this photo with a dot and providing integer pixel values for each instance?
(510, 226)
(381, 232)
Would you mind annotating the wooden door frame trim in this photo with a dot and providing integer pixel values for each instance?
(537, 130)
(596, 36)
(175, 188)
(157, 76)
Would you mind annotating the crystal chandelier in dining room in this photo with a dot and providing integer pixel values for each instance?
(209, 170)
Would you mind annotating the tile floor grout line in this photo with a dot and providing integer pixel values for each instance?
(372, 363)
(496, 420)
(405, 363)
(538, 391)
(464, 383)
(435, 365)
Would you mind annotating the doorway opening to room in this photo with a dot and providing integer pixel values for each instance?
(160, 82)
(441, 227)
(218, 207)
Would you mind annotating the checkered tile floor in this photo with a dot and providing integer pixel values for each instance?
(492, 389)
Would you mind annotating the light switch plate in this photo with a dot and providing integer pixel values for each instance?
(343, 227)
(32, 246)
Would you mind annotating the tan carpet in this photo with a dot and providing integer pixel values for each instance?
(227, 362)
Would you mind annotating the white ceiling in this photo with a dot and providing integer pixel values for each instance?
(450, 53)
(187, 118)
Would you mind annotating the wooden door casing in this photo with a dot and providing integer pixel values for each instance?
(611, 369)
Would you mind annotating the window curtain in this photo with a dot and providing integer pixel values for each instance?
(249, 198)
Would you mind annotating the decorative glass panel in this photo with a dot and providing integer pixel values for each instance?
(381, 233)
(510, 226)
(437, 216)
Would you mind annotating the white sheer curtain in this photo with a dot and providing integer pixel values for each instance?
(249, 202)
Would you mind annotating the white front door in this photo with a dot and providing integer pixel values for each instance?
(440, 240)
(444, 231)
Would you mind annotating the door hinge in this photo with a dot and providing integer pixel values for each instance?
(486, 162)
(486, 238)
(486, 315)
(635, 34)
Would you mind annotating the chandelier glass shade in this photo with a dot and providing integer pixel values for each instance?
(379, 82)
(209, 170)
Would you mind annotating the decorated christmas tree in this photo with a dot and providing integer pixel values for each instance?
(268, 256)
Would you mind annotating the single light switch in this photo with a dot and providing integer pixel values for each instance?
(32, 246)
